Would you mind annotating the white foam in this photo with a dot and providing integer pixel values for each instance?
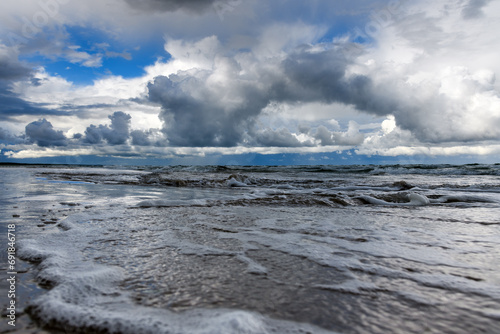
(351, 286)
(126, 318)
(417, 199)
(414, 200)
(169, 203)
(232, 182)
(85, 294)
(464, 199)
(374, 250)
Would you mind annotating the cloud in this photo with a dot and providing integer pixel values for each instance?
(191, 121)
(43, 134)
(388, 136)
(10, 67)
(196, 6)
(84, 104)
(324, 136)
(93, 134)
(464, 106)
(278, 138)
(429, 75)
(12, 70)
(140, 138)
(4, 134)
(437, 73)
(151, 137)
(59, 44)
(7, 137)
(473, 9)
(218, 100)
(12, 105)
(209, 105)
(119, 130)
(322, 76)
(116, 134)
(351, 137)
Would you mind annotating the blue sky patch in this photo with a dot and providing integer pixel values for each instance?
(89, 55)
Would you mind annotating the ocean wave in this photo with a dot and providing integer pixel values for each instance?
(301, 185)
(437, 169)
(413, 199)
(85, 297)
(350, 253)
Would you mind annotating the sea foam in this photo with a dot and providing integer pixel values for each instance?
(414, 200)
(86, 295)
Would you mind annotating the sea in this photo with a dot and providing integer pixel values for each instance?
(251, 249)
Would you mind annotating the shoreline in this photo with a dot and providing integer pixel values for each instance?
(261, 258)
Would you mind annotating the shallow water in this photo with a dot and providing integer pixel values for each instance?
(362, 249)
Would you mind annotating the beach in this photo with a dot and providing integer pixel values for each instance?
(257, 249)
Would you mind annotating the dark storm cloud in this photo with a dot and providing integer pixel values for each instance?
(474, 9)
(197, 6)
(321, 77)
(11, 69)
(93, 134)
(116, 134)
(219, 104)
(10, 103)
(119, 130)
(194, 115)
(42, 133)
(140, 138)
(193, 122)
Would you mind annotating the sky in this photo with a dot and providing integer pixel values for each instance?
(249, 81)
